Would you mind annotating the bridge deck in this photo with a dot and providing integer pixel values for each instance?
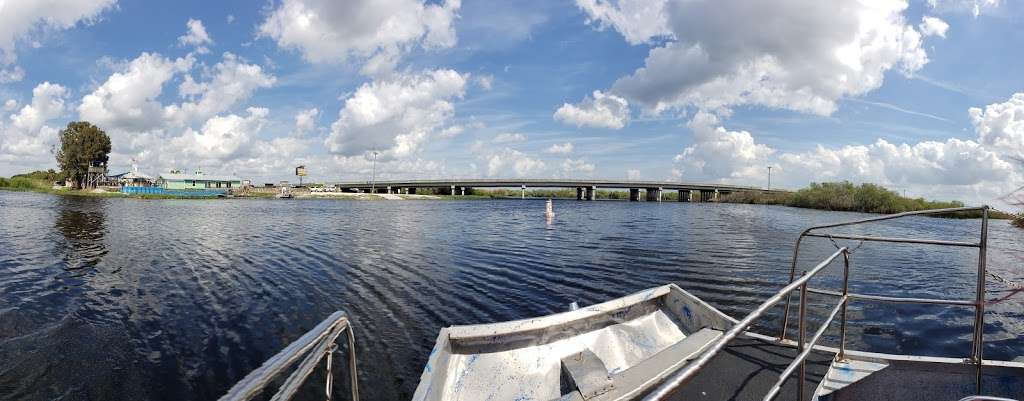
(547, 183)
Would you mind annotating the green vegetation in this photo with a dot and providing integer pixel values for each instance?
(845, 196)
(1018, 220)
(82, 145)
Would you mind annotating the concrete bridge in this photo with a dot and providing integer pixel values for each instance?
(585, 189)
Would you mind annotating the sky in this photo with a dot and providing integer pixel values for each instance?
(924, 97)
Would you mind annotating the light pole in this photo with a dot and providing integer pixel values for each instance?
(769, 178)
(373, 174)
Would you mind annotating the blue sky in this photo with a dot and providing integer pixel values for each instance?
(667, 90)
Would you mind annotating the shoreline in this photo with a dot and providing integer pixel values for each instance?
(353, 196)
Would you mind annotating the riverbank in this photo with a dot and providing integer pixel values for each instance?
(832, 196)
(864, 198)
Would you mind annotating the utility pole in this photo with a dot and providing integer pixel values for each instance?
(769, 178)
(373, 174)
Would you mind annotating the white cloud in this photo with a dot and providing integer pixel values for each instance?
(486, 82)
(395, 115)
(954, 162)
(717, 153)
(19, 20)
(801, 55)
(600, 110)
(25, 136)
(222, 138)
(127, 100)
(13, 74)
(1000, 126)
(10, 104)
(196, 36)
(509, 137)
(931, 26)
(377, 31)
(305, 121)
(507, 161)
(633, 174)
(975, 7)
(231, 18)
(559, 148)
(572, 166)
(637, 20)
(974, 171)
(231, 81)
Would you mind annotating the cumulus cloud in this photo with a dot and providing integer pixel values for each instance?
(25, 136)
(717, 153)
(1000, 126)
(19, 20)
(231, 81)
(127, 100)
(979, 170)
(395, 115)
(512, 162)
(196, 36)
(571, 167)
(800, 55)
(559, 149)
(486, 82)
(633, 174)
(637, 20)
(222, 138)
(600, 110)
(509, 137)
(305, 122)
(377, 32)
(931, 26)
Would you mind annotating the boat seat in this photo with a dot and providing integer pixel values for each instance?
(590, 380)
(587, 373)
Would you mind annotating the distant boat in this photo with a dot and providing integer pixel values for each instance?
(285, 193)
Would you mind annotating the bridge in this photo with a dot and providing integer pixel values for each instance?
(585, 189)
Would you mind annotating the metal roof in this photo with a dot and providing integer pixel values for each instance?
(197, 177)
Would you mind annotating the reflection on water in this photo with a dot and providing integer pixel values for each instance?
(83, 224)
(173, 299)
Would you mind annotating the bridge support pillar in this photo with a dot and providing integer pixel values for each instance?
(654, 194)
(592, 193)
(389, 189)
(462, 191)
(705, 195)
(523, 195)
(581, 193)
(684, 195)
(452, 192)
(634, 194)
(716, 195)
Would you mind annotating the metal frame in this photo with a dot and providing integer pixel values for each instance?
(319, 343)
(805, 348)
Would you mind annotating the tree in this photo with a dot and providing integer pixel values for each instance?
(82, 145)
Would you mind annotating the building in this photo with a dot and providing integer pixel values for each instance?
(198, 181)
(133, 179)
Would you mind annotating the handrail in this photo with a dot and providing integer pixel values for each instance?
(692, 368)
(978, 303)
(321, 341)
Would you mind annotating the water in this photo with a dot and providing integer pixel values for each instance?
(178, 299)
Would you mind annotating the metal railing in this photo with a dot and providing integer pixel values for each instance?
(317, 344)
(805, 348)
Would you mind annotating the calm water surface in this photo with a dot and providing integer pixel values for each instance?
(177, 300)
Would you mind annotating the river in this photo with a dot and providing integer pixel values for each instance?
(104, 298)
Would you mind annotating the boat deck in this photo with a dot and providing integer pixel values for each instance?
(747, 368)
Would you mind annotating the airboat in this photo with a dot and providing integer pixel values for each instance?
(664, 343)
